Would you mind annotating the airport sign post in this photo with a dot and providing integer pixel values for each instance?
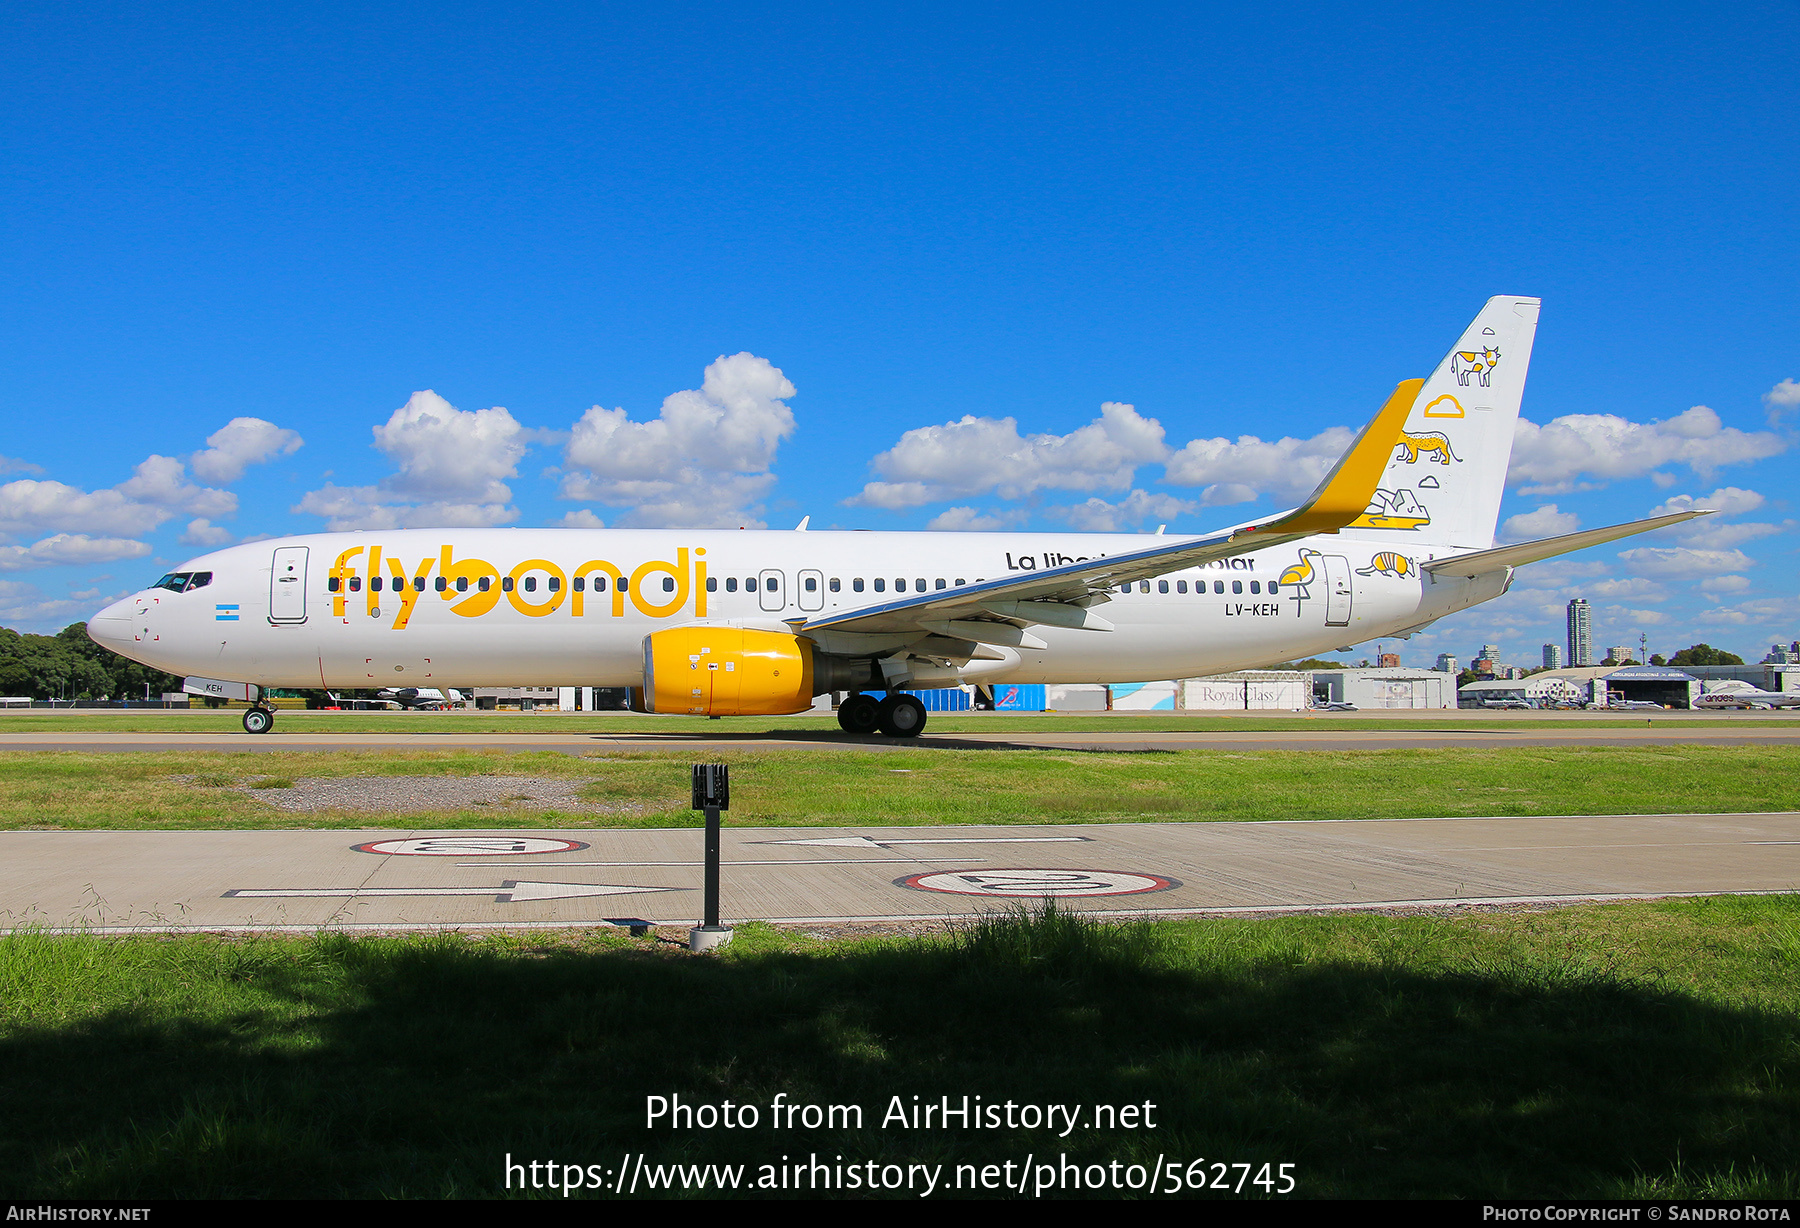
(712, 794)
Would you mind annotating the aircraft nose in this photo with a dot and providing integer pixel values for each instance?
(111, 627)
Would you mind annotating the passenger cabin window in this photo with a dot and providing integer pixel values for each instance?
(485, 583)
(1218, 586)
(900, 586)
(1181, 586)
(856, 585)
(356, 584)
(1143, 586)
(812, 584)
(374, 584)
(1273, 586)
(1256, 586)
(462, 583)
(880, 585)
(1237, 586)
(837, 585)
(668, 584)
(712, 584)
(531, 584)
(554, 584)
(506, 584)
(419, 584)
(731, 584)
(919, 585)
(332, 585)
(1162, 586)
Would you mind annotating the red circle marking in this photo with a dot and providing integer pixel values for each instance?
(1019, 882)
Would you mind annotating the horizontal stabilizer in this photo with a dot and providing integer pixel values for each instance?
(1483, 561)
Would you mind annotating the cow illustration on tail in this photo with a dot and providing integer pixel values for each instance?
(1474, 362)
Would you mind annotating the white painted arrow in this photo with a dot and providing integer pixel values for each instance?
(506, 893)
(866, 842)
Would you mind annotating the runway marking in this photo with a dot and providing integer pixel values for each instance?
(508, 892)
(823, 861)
(870, 842)
(1037, 883)
(468, 846)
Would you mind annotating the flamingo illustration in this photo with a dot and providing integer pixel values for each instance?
(1299, 575)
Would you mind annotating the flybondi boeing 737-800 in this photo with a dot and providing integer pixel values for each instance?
(753, 623)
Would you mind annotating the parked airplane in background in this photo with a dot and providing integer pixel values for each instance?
(1734, 694)
(734, 623)
(408, 698)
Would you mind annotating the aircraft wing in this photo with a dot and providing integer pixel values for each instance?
(996, 611)
(1482, 561)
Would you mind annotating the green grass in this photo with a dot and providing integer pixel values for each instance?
(565, 724)
(1599, 1052)
(919, 785)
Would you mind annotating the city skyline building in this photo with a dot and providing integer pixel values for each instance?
(1581, 632)
(1553, 656)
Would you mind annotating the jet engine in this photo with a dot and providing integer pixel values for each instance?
(725, 671)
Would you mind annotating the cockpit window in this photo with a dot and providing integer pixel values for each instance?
(182, 581)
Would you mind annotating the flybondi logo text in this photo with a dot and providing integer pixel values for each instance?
(364, 580)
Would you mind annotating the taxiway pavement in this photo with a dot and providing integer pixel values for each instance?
(400, 880)
(1370, 736)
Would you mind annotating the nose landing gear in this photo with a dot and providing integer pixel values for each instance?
(259, 720)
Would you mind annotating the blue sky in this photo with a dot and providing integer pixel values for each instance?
(1239, 223)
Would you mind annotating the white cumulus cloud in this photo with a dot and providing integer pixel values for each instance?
(1677, 562)
(70, 548)
(968, 520)
(1781, 398)
(1555, 457)
(1547, 521)
(977, 456)
(450, 465)
(163, 481)
(1134, 510)
(240, 443)
(1235, 470)
(703, 461)
(205, 533)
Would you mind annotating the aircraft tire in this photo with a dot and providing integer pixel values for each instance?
(859, 714)
(259, 720)
(902, 716)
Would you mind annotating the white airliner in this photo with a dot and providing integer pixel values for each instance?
(1732, 693)
(715, 622)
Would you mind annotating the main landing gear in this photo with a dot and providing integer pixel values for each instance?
(898, 716)
(259, 720)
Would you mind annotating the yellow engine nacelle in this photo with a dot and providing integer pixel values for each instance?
(726, 671)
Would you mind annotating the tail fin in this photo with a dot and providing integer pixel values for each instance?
(1444, 481)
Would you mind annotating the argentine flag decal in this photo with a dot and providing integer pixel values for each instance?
(225, 613)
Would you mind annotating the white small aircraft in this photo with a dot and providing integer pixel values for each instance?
(1732, 693)
(713, 622)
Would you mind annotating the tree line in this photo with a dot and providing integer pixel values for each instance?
(69, 665)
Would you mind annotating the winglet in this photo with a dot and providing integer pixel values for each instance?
(1345, 493)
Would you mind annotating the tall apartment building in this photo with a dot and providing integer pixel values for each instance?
(1448, 664)
(1622, 653)
(1581, 632)
(1553, 656)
